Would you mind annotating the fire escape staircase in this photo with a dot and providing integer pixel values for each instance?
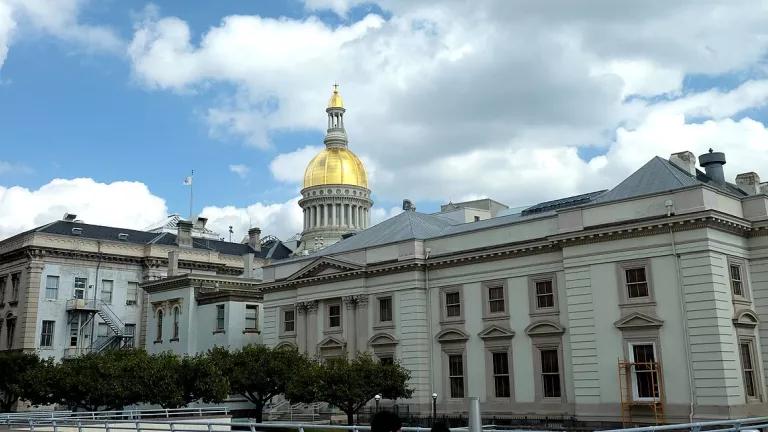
(118, 336)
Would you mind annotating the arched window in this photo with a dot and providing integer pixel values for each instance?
(159, 326)
(176, 313)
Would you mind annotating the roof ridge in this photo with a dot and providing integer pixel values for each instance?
(671, 169)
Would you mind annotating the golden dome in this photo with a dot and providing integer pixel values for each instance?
(335, 165)
(335, 101)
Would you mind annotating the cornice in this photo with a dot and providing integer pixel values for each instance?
(204, 282)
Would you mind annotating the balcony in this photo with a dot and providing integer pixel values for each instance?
(84, 305)
(75, 351)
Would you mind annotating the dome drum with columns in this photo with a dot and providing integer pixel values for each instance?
(335, 197)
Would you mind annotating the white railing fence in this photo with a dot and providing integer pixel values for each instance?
(95, 416)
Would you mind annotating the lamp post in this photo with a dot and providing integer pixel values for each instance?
(434, 407)
(377, 398)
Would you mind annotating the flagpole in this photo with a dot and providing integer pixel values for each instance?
(191, 188)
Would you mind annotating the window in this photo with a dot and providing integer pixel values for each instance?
(385, 309)
(220, 318)
(176, 314)
(106, 291)
(550, 373)
(645, 380)
(251, 317)
(3, 281)
(453, 304)
(74, 333)
(637, 284)
(15, 281)
(51, 287)
(477, 218)
(456, 375)
(748, 369)
(501, 374)
(159, 330)
(386, 360)
(10, 329)
(46, 334)
(133, 293)
(545, 294)
(103, 330)
(130, 330)
(334, 316)
(80, 284)
(289, 321)
(737, 284)
(496, 299)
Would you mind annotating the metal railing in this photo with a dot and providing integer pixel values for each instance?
(69, 417)
(745, 424)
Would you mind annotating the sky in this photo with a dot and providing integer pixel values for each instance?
(107, 105)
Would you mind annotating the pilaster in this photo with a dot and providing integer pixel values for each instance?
(30, 293)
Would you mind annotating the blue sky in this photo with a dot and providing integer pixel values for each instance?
(446, 101)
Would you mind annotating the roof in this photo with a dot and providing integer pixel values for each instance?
(562, 203)
(101, 232)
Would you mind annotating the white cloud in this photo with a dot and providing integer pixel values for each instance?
(240, 169)
(279, 219)
(289, 167)
(8, 167)
(123, 203)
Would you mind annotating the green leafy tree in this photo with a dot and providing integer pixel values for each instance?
(177, 381)
(17, 372)
(259, 373)
(350, 384)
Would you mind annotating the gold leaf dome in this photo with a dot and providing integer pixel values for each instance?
(335, 166)
(335, 101)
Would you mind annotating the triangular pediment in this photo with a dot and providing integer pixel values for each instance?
(746, 318)
(331, 342)
(637, 320)
(382, 339)
(324, 266)
(544, 328)
(452, 335)
(495, 332)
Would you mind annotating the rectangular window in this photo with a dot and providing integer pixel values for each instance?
(74, 333)
(133, 293)
(51, 287)
(219, 317)
(251, 317)
(496, 299)
(637, 284)
(130, 330)
(46, 334)
(334, 316)
(386, 360)
(501, 374)
(748, 369)
(3, 281)
(550, 373)
(10, 329)
(385, 309)
(545, 294)
(452, 304)
(737, 284)
(80, 285)
(106, 291)
(103, 330)
(15, 282)
(645, 379)
(289, 321)
(456, 375)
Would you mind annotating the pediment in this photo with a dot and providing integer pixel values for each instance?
(495, 332)
(382, 339)
(638, 320)
(286, 345)
(746, 318)
(452, 335)
(324, 266)
(331, 342)
(544, 328)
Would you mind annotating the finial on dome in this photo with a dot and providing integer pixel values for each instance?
(336, 101)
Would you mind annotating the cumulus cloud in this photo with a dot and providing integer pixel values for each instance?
(123, 203)
(289, 167)
(279, 219)
(240, 169)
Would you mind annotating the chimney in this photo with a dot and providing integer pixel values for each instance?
(713, 165)
(248, 265)
(173, 263)
(254, 238)
(200, 223)
(684, 160)
(749, 182)
(408, 205)
(184, 236)
(69, 217)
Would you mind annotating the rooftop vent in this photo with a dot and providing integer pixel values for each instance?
(408, 205)
(69, 217)
(122, 236)
(77, 231)
(713, 165)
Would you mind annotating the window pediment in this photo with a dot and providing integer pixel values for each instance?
(331, 342)
(495, 332)
(638, 320)
(382, 339)
(452, 335)
(324, 266)
(746, 318)
(544, 328)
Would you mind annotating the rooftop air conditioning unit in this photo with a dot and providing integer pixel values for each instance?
(77, 231)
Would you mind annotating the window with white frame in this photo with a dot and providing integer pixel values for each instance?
(252, 317)
(737, 281)
(46, 333)
(636, 282)
(748, 369)
(501, 374)
(385, 309)
(456, 375)
(79, 287)
(106, 290)
(496, 299)
(159, 329)
(74, 333)
(289, 321)
(132, 296)
(550, 372)
(220, 318)
(51, 287)
(545, 294)
(334, 316)
(130, 330)
(176, 318)
(452, 304)
(645, 376)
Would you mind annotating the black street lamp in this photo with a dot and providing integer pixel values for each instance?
(434, 407)
(377, 398)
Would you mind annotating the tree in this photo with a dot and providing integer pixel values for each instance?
(259, 373)
(17, 372)
(350, 384)
(177, 381)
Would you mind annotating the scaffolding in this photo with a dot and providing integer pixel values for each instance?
(642, 388)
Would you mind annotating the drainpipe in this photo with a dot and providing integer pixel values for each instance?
(427, 251)
(684, 312)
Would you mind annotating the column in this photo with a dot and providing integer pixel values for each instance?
(344, 216)
(29, 297)
(301, 327)
(312, 326)
(350, 326)
(361, 316)
(353, 210)
(334, 222)
(360, 223)
(306, 219)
